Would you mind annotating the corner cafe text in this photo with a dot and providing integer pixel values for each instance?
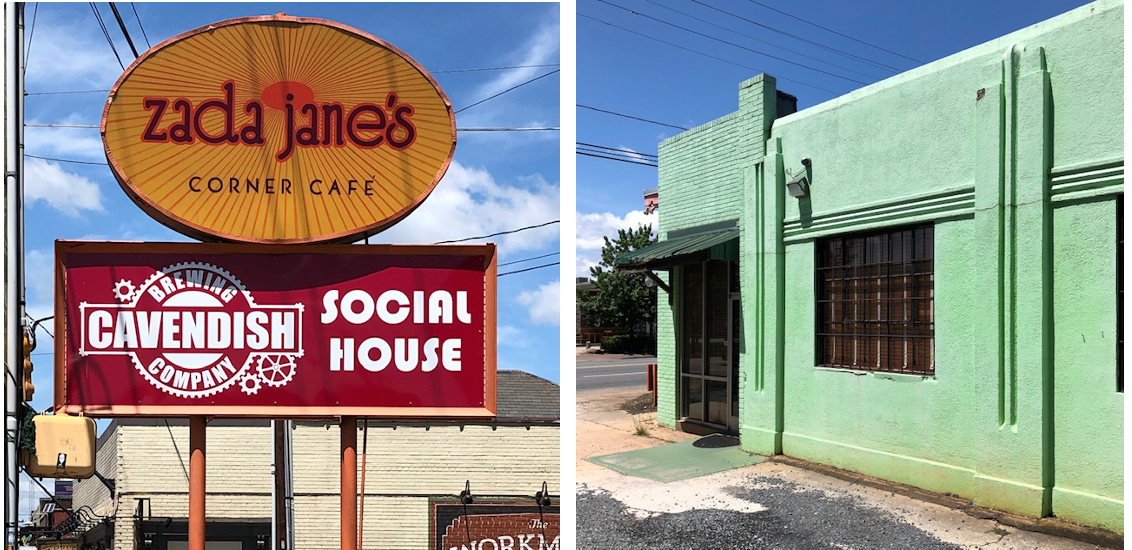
(367, 125)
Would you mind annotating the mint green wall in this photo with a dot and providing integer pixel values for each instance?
(1014, 150)
(1088, 413)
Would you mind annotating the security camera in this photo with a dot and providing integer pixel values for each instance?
(806, 162)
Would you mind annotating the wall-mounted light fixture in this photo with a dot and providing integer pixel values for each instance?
(799, 187)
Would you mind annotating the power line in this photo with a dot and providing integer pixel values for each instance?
(106, 33)
(632, 117)
(550, 128)
(796, 37)
(122, 25)
(554, 128)
(529, 259)
(808, 22)
(31, 35)
(66, 160)
(616, 153)
(614, 149)
(756, 39)
(35, 125)
(69, 92)
(502, 232)
(722, 41)
(697, 52)
(508, 90)
(135, 8)
(527, 269)
(494, 68)
(583, 153)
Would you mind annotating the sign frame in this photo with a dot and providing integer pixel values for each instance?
(202, 231)
(490, 271)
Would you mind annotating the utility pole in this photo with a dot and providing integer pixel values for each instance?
(12, 222)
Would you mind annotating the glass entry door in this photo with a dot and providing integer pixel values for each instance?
(710, 345)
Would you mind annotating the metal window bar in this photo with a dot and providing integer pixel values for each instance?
(875, 301)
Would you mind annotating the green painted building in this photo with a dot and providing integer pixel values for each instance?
(933, 296)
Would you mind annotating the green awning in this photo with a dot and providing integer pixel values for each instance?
(698, 247)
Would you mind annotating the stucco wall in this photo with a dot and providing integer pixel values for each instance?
(1014, 151)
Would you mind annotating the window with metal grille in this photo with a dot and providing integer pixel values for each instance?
(875, 301)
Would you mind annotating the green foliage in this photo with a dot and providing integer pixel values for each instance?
(629, 343)
(623, 300)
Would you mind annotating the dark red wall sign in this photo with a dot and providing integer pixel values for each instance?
(495, 526)
(281, 331)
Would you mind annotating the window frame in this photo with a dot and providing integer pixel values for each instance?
(897, 342)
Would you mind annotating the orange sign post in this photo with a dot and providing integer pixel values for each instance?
(277, 129)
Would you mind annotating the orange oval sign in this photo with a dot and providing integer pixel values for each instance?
(277, 129)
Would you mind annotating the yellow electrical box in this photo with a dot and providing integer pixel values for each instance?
(64, 447)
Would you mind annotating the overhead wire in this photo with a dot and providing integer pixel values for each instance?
(106, 33)
(508, 232)
(135, 8)
(722, 41)
(630, 116)
(527, 269)
(697, 52)
(619, 153)
(67, 160)
(796, 37)
(31, 35)
(122, 25)
(756, 39)
(808, 22)
(630, 161)
(448, 71)
(69, 92)
(630, 152)
(544, 75)
(529, 259)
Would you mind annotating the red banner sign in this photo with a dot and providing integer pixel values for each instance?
(282, 331)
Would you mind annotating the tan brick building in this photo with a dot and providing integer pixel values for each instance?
(409, 468)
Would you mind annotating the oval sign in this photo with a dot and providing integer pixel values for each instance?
(277, 129)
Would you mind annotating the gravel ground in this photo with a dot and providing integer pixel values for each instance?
(795, 517)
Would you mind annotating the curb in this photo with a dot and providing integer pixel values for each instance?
(1050, 525)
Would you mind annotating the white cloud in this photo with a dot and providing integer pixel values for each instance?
(66, 192)
(542, 304)
(540, 49)
(593, 227)
(469, 202)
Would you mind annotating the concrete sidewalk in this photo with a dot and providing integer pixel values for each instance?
(604, 429)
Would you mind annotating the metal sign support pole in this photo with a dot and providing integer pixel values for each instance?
(196, 482)
(349, 488)
(13, 255)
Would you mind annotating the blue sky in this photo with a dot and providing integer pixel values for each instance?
(633, 75)
(498, 181)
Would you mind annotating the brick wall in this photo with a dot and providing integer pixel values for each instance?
(702, 176)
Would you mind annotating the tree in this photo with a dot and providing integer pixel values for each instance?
(623, 300)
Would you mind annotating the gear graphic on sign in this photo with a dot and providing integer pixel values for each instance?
(249, 384)
(276, 369)
(123, 291)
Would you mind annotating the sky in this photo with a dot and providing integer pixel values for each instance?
(653, 78)
(498, 181)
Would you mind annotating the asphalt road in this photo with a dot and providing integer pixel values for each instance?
(796, 516)
(620, 373)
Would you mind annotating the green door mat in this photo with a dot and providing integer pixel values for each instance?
(684, 460)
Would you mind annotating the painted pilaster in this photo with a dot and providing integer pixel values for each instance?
(1013, 214)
